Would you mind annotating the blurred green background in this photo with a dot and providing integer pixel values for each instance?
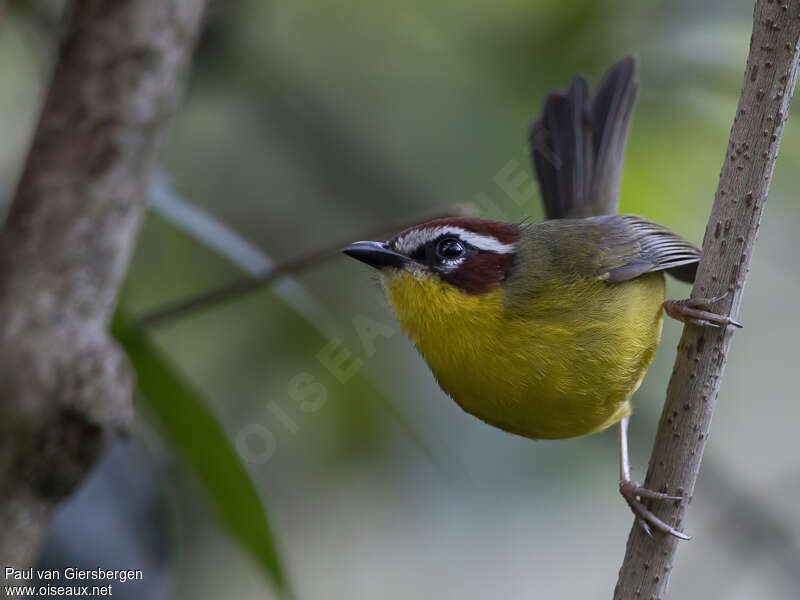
(306, 123)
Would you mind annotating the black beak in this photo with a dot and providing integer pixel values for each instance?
(376, 254)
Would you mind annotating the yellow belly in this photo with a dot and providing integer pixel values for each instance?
(557, 367)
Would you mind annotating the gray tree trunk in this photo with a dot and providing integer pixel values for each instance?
(65, 386)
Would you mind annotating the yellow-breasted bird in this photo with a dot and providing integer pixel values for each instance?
(546, 329)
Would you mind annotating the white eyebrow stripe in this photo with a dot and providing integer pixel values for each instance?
(419, 237)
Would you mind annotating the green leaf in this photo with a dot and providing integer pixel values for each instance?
(194, 431)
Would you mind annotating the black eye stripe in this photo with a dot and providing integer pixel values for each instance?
(424, 252)
(420, 253)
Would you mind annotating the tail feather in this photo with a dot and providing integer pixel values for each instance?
(578, 143)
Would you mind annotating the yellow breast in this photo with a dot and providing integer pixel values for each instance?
(560, 366)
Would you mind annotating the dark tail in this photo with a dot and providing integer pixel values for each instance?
(578, 142)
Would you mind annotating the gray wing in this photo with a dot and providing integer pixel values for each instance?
(635, 246)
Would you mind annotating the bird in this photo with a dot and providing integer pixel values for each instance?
(546, 329)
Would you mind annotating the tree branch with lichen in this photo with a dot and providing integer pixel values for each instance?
(65, 386)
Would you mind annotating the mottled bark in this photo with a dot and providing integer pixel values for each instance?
(65, 387)
(731, 233)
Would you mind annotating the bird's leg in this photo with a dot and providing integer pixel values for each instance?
(634, 493)
(699, 312)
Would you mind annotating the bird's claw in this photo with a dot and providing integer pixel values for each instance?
(698, 311)
(633, 492)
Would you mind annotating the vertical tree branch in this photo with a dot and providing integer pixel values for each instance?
(65, 387)
(731, 233)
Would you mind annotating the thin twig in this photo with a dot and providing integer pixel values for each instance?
(243, 285)
(731, 233)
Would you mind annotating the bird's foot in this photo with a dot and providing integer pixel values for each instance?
(698, 311)
(634, 493)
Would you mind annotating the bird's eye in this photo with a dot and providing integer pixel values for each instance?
(450, 249)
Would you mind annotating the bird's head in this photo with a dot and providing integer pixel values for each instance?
(471, 255)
